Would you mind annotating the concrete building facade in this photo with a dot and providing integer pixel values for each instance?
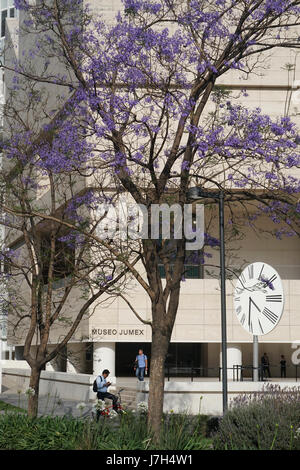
(111, 336)
(7, 12)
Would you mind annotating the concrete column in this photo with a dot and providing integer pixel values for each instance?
(104, 357)
(10, 352)
(234, 357)
(255, 358)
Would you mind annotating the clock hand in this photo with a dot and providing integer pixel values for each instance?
(254, 304)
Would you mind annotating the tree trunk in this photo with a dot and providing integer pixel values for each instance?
(159, 350)
(33, 392)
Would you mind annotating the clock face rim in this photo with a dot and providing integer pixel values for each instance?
(279, 290)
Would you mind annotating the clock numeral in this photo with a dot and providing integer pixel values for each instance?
(273, 278)
(271, 316)
(242, 277)
(243, 319)
(259, 277)
(251, 271)
(238, 310)
(237, 299)
(274, 298)
(239, 290)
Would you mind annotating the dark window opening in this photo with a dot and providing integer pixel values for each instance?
(89, 352)
(181, 358)
(193, 266)
(89, 358)
(191, 271)
(3, 18)
(4, 15)
(125, 357)
(63, 262)
(184, 355)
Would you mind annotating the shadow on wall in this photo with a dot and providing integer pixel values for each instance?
(66, 386)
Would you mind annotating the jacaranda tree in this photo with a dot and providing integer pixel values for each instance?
(142, 92)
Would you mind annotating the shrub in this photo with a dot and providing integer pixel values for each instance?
(267, 420)
(126, 432)
(179, 432)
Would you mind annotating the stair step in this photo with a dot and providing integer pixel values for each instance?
(128, 395)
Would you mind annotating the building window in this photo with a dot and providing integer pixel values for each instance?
(7, 11)
(192, 270)
(64, 259)
(193, 266)
(3, 18)
(89, 352)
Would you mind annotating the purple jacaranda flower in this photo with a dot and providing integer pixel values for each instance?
(267, 282)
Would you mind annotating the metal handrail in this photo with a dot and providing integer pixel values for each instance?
(238, 371)
(241, 368)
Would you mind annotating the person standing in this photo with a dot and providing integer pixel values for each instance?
(265, 366)
(282, 366)
(262, 367)
(141, 365)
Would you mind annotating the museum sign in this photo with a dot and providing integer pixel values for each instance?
(118, 332)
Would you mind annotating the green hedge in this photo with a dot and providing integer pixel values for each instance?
(129, 432)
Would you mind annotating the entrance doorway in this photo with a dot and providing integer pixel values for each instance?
(125, 357)
(181, 357)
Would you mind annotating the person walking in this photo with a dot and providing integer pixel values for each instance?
(141, 365)
(102, 393)
(282, 366)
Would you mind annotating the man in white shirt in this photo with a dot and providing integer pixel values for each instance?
(102, 386)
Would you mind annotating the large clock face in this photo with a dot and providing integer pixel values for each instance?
(259, 298)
